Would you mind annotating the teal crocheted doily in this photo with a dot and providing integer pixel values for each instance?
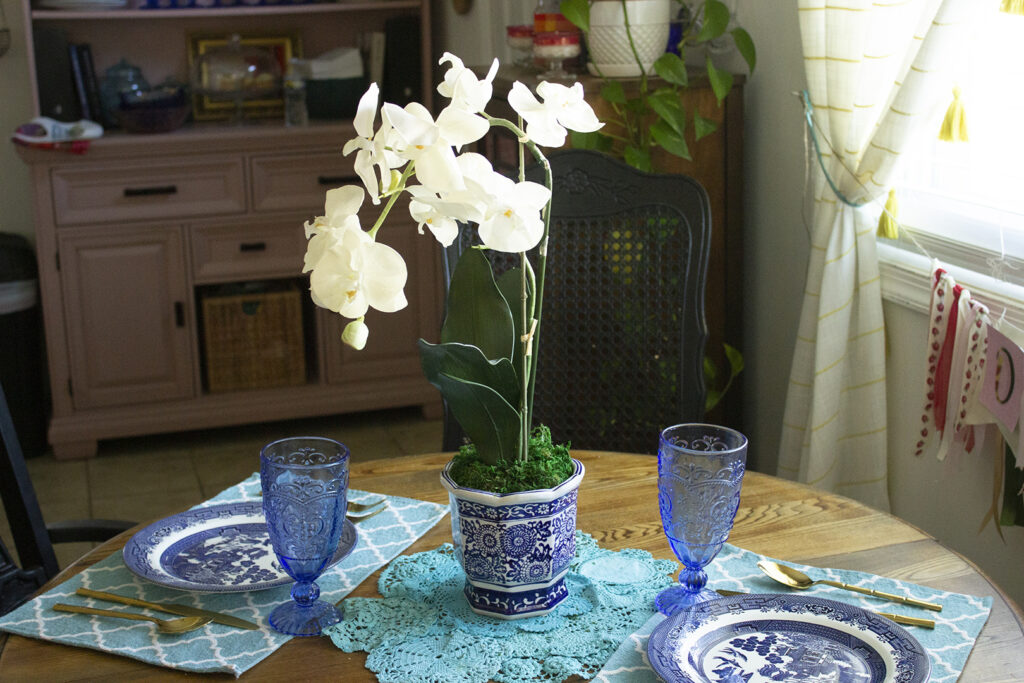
(423, 629)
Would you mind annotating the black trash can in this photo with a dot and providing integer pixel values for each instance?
(21, 349)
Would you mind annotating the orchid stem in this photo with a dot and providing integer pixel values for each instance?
(531, 327)
(395, 193)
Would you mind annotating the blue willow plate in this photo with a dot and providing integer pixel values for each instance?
(215, 549)
(755, 638)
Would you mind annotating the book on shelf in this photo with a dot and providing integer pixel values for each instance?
(92, 84)
(55, 83)
(78, 75)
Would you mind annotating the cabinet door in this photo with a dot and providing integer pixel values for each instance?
(391, 349)
(126, 303)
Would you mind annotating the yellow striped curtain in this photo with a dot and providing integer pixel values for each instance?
(874, 75)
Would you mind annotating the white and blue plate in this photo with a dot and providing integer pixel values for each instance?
(759, 638)
(215, 549)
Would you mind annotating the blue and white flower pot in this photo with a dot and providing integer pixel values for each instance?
(514, 547)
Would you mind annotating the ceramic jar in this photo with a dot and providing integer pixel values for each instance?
(515, 547)
(610, 53)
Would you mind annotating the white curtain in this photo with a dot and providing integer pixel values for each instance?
(875, 73)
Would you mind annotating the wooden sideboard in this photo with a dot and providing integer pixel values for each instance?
(132, 235)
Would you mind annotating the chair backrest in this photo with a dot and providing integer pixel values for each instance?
(622, 344)
(31, 538)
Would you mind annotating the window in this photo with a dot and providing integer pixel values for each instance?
(964, 202)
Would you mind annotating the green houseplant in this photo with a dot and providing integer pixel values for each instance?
(641, 118)
(512, 492)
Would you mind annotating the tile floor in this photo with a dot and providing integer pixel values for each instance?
(149, 477)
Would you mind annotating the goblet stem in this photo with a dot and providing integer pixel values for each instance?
(693, 579)
(305, 593)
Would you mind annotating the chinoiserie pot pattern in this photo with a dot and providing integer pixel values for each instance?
(515, 548)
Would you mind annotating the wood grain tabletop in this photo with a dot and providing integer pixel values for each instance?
(618, 505)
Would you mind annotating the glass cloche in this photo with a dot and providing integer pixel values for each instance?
(236, 73)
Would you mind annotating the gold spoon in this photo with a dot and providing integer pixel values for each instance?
(795, 578)
(183, 625)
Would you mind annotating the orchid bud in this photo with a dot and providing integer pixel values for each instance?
(355, 334)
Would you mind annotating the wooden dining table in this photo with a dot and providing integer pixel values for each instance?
(618, 505)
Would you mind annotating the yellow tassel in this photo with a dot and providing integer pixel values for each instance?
(1012, 7)
(954, 126)
(888, 227)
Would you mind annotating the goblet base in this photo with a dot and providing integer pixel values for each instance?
(294, 619)
(671, 600)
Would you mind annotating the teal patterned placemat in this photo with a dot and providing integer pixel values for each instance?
(215, 647)
(956, 627)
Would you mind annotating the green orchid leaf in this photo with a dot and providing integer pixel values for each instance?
(670, 140)
(745, 46)
(488, 420)
(667, 106)
(578, 12)
(510, 285)
(468, 363)
(638, 158)
(721, 80)
(716, 20)
(612, 91)
(477, 312)
(596, 140)
(703, 127)
(672, 68)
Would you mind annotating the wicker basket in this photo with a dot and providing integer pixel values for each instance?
(253, 341)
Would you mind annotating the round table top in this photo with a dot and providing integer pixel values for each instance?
(617, 505)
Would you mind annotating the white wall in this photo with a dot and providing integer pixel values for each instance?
(15, 109)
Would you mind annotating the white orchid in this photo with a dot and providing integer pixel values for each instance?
(349, 271)
(366, 157)
(562, 108)
(463, 88)
(431, 212)
(512, 220)
(419, 138)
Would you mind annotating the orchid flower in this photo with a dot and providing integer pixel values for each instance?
(429, 211)
(372, 147)
(462, 87)
(512, 220)
(430, 143)
(562, 108)
(350, 272)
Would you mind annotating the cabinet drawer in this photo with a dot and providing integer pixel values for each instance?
(165, 189)
(233, 252)
(299, 182)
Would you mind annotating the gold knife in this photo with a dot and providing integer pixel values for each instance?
(180, 610)
(898, 618)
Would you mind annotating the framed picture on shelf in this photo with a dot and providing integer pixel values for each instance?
(234, 76)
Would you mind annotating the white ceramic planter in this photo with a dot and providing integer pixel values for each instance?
(608, 43)
(516, 547)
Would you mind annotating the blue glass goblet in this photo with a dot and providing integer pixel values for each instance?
(305, 491)
(700, 471)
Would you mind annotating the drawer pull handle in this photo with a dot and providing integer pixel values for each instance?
(147, 191)
(179, 314)
(252, 246)
(336, 179)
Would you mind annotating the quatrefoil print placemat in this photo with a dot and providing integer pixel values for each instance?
(214, 647)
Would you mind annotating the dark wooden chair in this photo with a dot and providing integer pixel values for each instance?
(622, 341)
(33, 538)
